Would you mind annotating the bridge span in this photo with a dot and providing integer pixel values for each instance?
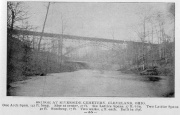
(73, 37)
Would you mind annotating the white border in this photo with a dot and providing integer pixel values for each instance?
(153, 101)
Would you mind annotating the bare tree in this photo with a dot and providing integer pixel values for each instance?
(172, 11)
(172, 17)
(15, 13)
(142, 33)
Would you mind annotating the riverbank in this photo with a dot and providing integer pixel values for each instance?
(163, 72)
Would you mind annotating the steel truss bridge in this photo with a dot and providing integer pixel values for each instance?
(65, 45)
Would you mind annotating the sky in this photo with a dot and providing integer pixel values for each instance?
(102, 20)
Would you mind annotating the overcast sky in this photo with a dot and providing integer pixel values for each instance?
(103, 20)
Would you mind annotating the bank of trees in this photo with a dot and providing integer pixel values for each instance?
(155, 28)
(26, 55)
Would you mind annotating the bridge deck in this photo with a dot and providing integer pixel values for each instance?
(52, 35)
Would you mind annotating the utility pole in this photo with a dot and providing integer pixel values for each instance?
(62, 32)
(144, 41)
(43, 27)
(60, 42)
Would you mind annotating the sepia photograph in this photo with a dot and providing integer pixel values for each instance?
(90, 49)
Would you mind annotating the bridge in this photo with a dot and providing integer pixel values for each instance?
(52, 35)
(66, 45)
